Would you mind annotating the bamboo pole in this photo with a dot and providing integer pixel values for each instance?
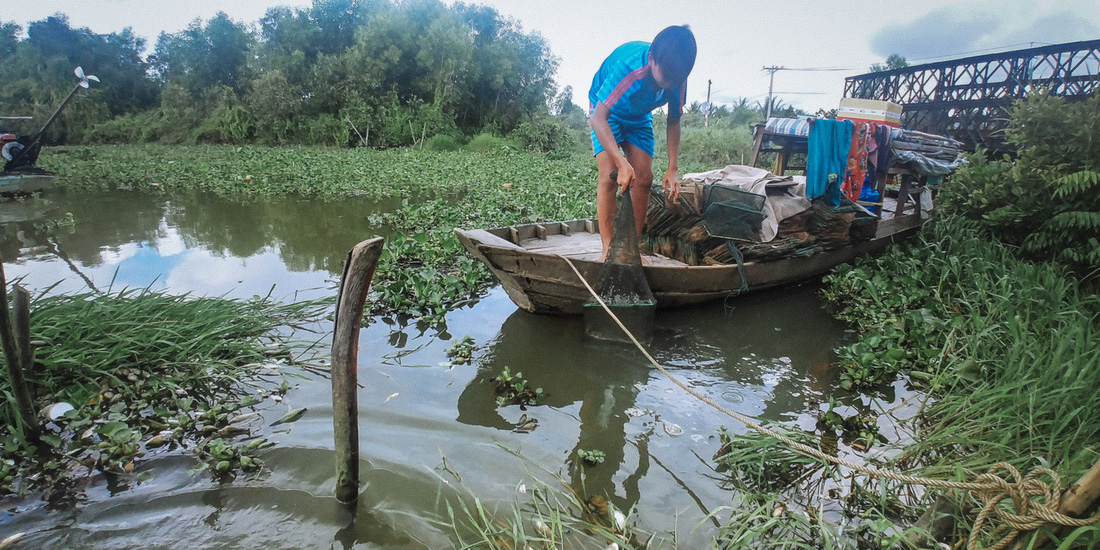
(1076, 501)
(13, 358)
(358, 272)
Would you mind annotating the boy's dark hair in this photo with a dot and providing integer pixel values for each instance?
(674, 50)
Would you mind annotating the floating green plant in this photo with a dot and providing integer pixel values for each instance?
(514, 389)
(141, 370)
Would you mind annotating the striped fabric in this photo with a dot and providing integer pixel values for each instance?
(624, 84)
(788, 126)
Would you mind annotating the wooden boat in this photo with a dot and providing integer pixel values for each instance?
(25, 182)
(528, 262)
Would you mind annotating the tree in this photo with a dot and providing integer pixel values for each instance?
(398, 69)
(511, 74)
(37, 73)
(894, 61)
(200, 57)
(9, 39)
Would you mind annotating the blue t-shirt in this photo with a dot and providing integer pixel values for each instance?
(625, 85)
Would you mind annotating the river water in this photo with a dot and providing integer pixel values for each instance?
(431, 432)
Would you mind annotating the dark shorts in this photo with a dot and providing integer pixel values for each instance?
(637, 133)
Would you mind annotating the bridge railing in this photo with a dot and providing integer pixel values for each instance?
(969, 99)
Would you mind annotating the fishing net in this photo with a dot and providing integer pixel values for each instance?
(684, 230)
(622, 284)
(732, 213)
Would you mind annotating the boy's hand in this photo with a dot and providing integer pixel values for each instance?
(671, 186)
(625, 176)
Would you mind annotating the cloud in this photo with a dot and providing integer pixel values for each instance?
(940, 32)
(958, 31)
(1055, 28)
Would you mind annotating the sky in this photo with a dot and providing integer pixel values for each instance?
(736, 38)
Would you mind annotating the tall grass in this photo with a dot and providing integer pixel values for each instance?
(1013, 346)
(202, 344)
(137, 362)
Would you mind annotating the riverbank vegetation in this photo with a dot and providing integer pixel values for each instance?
(993, 310)
(382, 73)
(344, 73)
(128, 373)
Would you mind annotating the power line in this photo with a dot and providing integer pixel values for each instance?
(771, 81)
(811, 69)
(993, 49)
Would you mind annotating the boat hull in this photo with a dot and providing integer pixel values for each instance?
(25, 183)
(530, 263)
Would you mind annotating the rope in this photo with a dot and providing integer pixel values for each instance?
(992, 489)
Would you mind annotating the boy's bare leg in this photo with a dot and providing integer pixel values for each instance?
(606, 207)
(643, 182)
(606, 204)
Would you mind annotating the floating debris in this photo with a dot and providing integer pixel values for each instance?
(673, 429)
(543, 530)
(526, 424)
(57, 410)
(292, 416)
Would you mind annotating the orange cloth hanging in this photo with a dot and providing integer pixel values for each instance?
(862, 134)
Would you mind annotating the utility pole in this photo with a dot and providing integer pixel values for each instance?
(706, 114)
(771, 82)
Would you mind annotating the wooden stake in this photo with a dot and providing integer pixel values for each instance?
(358, 272)
(13, 358)
(1076, 501)
(21, 303)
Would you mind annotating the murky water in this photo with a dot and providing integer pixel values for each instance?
(428, 429)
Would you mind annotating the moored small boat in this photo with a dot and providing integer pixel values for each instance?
(529, 261)
(25, 182)
(20, 175)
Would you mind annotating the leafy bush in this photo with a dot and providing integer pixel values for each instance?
(484, 143)
(227, 124)
(327, 130)
(1072, 235)
(714, 146)
(542, 135)
(124, 129)
(442, 142)
(1045, 199)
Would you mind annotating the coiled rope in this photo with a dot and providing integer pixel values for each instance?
(1035, 501)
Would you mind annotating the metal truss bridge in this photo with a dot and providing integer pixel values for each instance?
(969, 99)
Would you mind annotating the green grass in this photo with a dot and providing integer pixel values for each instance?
(137, 364)
(1010, 350)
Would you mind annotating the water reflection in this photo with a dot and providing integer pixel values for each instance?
(765, 359)
(192, 243)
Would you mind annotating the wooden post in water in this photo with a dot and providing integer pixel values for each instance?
(16, 343)
(21, 304)
(358, 272)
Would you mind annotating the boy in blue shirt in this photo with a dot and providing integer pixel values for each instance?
(635, 79)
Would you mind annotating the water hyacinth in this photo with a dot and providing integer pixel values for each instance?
(144, 370)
